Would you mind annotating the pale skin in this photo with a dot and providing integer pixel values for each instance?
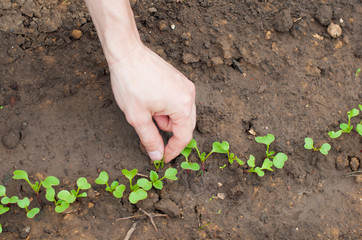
(144, 85)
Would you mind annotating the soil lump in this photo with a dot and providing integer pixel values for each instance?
(283, 21)
(11, 139)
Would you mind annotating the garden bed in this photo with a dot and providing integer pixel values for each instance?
(259, 67)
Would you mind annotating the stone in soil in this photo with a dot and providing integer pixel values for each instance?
(342, 162)
(354, 164)
(190, 58)
(168, 207)
(324, 15)
(334, 30)
(283, 22)
(358, 179)
(11, 139)
(77, 34)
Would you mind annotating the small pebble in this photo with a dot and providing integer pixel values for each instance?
(222, 196)
(107, 155)
(173, 26)
(77, 34)
(334, 30)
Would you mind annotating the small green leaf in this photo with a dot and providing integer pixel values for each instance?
(218, 147)
(1, 229)
(354, 112)
(190, 166)
(50, 194)
(82, 195)
(267, 164)
(333, 134)
(114, 185)
(171, 174)
(32, 212)
(20, 174)
(279, 160)
(186, 152)
(103, 178)
(66, 196)
(24, 202)
(118, 192)
(2, 191)
(357, 73)
(360, 106)
(308, 143)
(259, 171)
(50, 181)
(144, 183)
(62, 207)
(325, 148)
(3, 209)
(239, 161)
(192, 144)
(153, 176)
(158, 184)
(137, 195)
(251, 161)
(225, 145)
(345, 128)
(359, 129)
(267, 140)
(7, 200)
(129, 174)
(202, 157)
(83, 184)
(73, 192)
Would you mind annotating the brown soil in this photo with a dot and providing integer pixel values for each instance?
(292, 80)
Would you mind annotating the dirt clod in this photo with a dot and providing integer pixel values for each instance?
(354, 164)
(324, 15)
(283, 22)
(334, 30)
(217, 61)
(77, 34)
(190, 58)
(169, 207)
(11, 139)
(342, 162)
(358, 179)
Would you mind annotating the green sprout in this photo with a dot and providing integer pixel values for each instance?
(224, 147)
(187, 165)
(49, 181)
(156, 182)
(137, 193)
(159, 163)
(310, 145)
(116, 189)
(6, 200)
(267, 140)
(359, 125)
(65, 198)
(3, 209)
(1, 229)
(82, 185)
(345, 127)
(357, 72)
(277, 161)
(24, 203)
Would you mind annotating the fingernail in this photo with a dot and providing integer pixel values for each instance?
(155, 155)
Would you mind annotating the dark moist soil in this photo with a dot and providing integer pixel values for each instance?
(266, 66)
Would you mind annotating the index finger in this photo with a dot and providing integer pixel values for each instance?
(182, 129)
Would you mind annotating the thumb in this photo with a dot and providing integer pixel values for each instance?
(150, 137)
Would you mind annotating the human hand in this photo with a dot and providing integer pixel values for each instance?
(145, 87)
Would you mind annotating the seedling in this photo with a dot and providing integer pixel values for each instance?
(359, 125)
(345, 127)
(24, 203)
(3, 209)
(6, 200)
(1, 229)
(187, 165)
(137, 193)
(49, 181)
(267, 140)
(278, 160)
(64, 196)
(116, 189)
(224, 148)
(357, 72)
(159, 163)
(156, 182)
(82, 185)
(310, 145)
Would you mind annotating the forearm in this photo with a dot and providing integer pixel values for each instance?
(116, 27)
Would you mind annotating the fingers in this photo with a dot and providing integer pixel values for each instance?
(163, 122)
(182, 135)
(149, 136)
